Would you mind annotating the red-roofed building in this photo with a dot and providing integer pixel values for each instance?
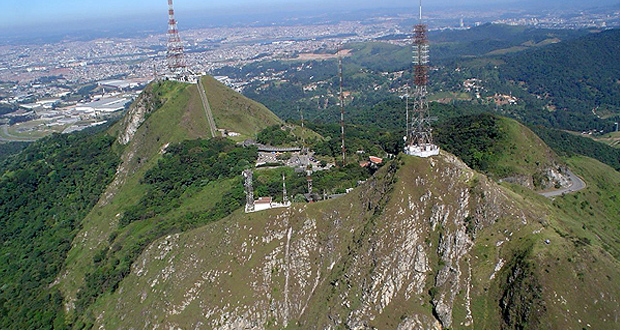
(376, 160)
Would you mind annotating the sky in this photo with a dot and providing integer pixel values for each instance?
(28, 12)
(16, 13)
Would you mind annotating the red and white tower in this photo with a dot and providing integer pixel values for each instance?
(419, 139)
(175, 57)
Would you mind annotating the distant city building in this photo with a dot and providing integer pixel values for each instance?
(121, 84)
(108, 105)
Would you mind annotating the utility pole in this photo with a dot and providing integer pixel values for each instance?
(407, 115)
(285, 196)
(344, 153)
(303, 140)
(249, 191)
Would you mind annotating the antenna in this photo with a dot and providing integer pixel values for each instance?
(175, 56)
(284, 195)
(407, 114)
(420, 11)
(419, 139)
(344, 154)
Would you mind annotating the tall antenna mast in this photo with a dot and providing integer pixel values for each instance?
(407, 114)
(420, 11)
(419, 139)
(344, 153)
(175, 56)
(284, 194)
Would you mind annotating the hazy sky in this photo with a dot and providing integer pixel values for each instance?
(28, 12)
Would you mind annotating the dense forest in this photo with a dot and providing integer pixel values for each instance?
(45, 192)
(567, 144)
(275, 136)
(474, 139)
(581, 77)
(11, 148)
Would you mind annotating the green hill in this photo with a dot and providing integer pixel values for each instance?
(141, 226)
(502, 148)
(234, 112)
(148, 199)
(423, 243)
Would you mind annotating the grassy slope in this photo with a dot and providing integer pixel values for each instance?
(524, 153)
(180, 117)
(578, 278)
(505, 147)
(235, 112)
(578, 269)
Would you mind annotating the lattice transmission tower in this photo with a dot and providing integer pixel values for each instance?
(419, 138)
(175, 55)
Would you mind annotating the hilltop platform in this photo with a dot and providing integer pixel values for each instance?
(423, 151)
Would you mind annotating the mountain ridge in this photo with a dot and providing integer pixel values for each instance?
(422, 244)
(429, 257)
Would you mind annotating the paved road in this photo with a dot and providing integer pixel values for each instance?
(207, 107)
(8, 137)
(577, 184)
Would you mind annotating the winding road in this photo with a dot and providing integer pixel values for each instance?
(577, 184)
(8, 137)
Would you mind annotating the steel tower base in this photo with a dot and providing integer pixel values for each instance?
(422, 151)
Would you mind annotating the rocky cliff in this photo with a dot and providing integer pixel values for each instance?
(425, 244)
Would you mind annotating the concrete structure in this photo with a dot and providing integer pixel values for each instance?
(424, 151)
(266, 203)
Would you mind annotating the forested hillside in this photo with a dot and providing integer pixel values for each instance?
(45, 193)
(580, 78)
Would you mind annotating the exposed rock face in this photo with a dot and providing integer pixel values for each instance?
(146, 103)
(557, 177)
(365, 261)
(553, 176)
(419, 323)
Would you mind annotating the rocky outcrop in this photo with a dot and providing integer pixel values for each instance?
(550, 177)
(144, 105)
(396, 249)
